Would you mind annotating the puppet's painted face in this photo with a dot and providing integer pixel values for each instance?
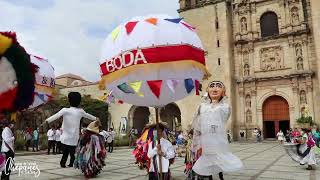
(216, 91)
(8, 81)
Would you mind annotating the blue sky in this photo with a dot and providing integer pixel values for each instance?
(69, 33)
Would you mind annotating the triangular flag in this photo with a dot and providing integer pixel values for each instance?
(197, 83)
(155, 87)
(13, 117)
(152, 21)
(41, 96)
(125, 88)
(172, 84)
(130, 26)
(188, 26)
(115, 33)
(136, 87)
(188, 83)
(175, 20)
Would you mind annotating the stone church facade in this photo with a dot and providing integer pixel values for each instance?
(267, 53)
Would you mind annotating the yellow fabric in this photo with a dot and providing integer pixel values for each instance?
(136, 87)
(5, 43)
(45, 89)
(115, 33)
(185, 64)
(13, 117)
(144, 136)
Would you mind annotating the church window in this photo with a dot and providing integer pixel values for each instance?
(269, 24)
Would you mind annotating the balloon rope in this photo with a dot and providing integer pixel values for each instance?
(158, 137)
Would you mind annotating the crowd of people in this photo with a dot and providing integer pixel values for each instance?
(204, 157)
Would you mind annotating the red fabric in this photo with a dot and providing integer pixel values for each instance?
(165, 54)
(120, 101)
(7, 99)
(197, 83)
(155, 87)
(130, 26)
(188, 26)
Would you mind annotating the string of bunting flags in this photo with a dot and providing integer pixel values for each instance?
(155, 87)
(130, 26)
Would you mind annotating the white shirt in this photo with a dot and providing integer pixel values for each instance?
(105, 134)
(51, 135)
(168, 150)
(71, 124)
(113, 134)
(57, 135)
(7, 136)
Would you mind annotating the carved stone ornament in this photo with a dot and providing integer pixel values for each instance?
(303, 97)
(298, 49)
(248, 101)
(243, 25)
(295, 16)
(271, 58)
(299, 63)
(249, 116)
(246, 70)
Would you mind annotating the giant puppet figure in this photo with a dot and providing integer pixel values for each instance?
(210, 143)
(17, 75)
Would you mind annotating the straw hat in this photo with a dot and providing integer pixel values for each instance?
(94, 126)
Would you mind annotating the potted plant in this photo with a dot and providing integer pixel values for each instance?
(305, 122)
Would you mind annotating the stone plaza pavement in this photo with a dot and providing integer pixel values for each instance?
(263, 161)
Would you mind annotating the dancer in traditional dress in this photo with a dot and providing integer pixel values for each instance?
(70, 126)
(210, 143)
(148, 150)
(303, 151)
(91, 152)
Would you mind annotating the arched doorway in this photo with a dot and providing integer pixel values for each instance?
(171, 114)
(275, 116)
(140, 117)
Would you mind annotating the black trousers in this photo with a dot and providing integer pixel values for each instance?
(52, 144)
(110, 147)
(68, 150)
(28, 143)
(6, 173)
(154, 176)
(35, 145)
(58, 147)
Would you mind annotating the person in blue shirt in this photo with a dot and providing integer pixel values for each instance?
(35, 139)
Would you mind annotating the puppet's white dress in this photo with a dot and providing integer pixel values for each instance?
(210, 135)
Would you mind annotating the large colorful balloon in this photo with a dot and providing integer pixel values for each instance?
(45, 81)
(152, 61)
(17, 75)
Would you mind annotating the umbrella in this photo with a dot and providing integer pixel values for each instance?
(45, 81)
(152, 61)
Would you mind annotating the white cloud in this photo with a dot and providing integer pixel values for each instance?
(70, 33)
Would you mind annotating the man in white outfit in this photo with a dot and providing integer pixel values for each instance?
(51, 140)
(166, 150)
(58, 141)
(70, 126)
(7, 147)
